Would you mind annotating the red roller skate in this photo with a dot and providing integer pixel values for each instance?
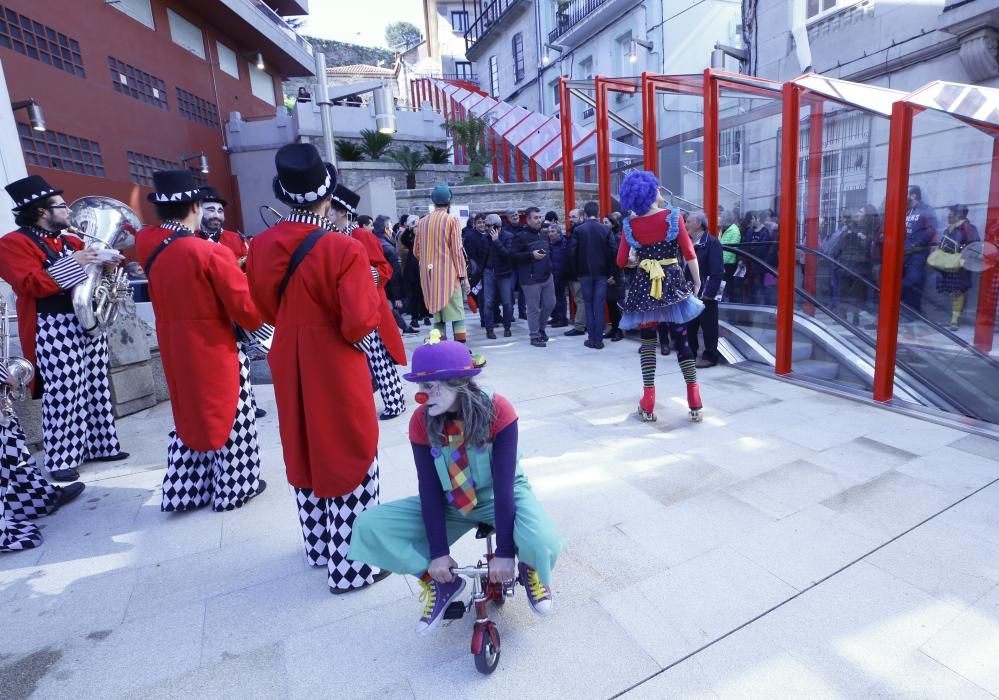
(647, 406)
(694, 402)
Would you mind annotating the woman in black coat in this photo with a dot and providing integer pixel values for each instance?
(415, 306)
(615, 283)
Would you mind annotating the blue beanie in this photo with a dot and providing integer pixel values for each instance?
(440, 195)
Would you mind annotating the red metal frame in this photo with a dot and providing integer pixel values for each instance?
(603, 146)
(711, 99)
(786, 262)
(568, 165)
(506, 148)
(650, 144)
(899, 151)
(985, 318)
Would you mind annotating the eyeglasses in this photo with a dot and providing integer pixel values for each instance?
(58, 206)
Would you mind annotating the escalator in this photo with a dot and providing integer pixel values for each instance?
(835, 336)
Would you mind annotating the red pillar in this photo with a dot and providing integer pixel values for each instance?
(899, 151)
(495, 148)
(985, 317)
(788, 227)
(519, 163)
(711, 148)
(814, 196)
(412, 95)
(603, 147)
(568, 163)
(650, 145)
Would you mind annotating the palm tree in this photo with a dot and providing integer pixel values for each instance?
(409, 160)
(375, 144)
(470, 134)
(348, 151)
(437, 155)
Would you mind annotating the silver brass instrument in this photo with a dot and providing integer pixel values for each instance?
(17, 367)
(104, 223)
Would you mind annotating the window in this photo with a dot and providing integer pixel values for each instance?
(556, 97)
(518, 56)
(141, 168)
(586, 69)
(463, 69)
(261, 84)
(197, 109)
(459, 22)
(228, 61)
(493, 76)
(137, 84)
(186, 34)
(139, 10)
(814, 8)
(52, 149)
(37, 41)
(622, 59)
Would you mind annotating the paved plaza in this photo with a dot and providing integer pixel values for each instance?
(793, 545)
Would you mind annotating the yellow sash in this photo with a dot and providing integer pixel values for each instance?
(654, 268)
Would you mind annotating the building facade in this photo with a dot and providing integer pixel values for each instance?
(134, 86)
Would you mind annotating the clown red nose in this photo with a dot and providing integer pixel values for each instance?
(422, 397)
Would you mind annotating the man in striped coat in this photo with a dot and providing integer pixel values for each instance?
(443, 274)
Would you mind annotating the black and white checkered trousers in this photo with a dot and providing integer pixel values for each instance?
(77, 415)
(15, 532)
(28, 494)
(228, 477)
(326, 527)
(383, 369)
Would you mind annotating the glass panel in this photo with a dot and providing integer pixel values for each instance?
(947, 327)
(680, 123)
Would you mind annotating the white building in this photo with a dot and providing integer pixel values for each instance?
(442, 53)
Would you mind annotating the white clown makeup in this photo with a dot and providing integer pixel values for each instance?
(438, 397)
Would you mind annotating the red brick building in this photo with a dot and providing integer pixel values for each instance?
(132, 86)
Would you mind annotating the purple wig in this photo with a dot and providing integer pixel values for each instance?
(639, 191)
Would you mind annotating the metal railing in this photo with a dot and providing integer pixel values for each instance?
(571, 15)
(489, 15)
(472, 78)
(274, 17)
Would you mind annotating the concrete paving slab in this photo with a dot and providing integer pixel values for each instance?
(890, 503)
(970, 644)
(789, 488)
(951, 470)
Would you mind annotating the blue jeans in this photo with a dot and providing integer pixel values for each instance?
(494, 286)
(594, 296)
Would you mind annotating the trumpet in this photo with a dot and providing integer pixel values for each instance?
(17, 367)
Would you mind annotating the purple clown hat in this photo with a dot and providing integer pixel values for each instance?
(441, 359)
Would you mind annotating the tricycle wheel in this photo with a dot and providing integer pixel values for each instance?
(488, 657)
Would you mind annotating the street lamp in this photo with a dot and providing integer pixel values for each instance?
(384, 110)
(202, 161)
(256, 58)
(546, 58)
(633, 49)
(35, 114)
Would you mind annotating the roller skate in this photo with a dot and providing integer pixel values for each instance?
(647, 406)
(694, 402)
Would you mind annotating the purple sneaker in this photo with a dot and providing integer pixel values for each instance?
(436, 597)
(538, 594)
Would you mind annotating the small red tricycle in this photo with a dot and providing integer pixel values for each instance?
(485, 636)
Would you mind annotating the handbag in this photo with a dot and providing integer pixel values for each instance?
(941, 260)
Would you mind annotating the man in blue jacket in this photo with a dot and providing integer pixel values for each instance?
(591, 255)
(709, 261)
(529, 249)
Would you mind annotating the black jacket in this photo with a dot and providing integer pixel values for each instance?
(521, 246)
(709, 263)
(394, 290)
(591, 250)
(496, 255)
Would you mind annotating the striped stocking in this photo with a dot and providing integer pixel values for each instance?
(647, 356)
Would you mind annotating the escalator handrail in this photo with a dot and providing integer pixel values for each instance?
(864, 337)
(949, 334)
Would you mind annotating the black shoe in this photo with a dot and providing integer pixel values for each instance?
(560, 324)
(538, 343)
(573, 332)
(380, 576)
(413, 328)
(261, 487)
(507, 333)
(64, 475)
(599, 345)
(491, 334)
(664, 350)
(260, 413)
(588, 343)
(110, 458)
(67, 494)
(409, 330)
(426, 322)
(617, 335)
(389, 415)
(522, 315)
(544, 336)
(704, 363)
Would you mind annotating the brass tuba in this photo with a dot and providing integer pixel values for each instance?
(103, 223)
(17, 367)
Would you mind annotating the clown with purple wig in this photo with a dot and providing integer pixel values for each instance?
(654, 240)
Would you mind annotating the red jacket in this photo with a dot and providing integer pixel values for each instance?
(388, 329)
(197, 293)
(22, 266)
(234, 242)
(326, 411)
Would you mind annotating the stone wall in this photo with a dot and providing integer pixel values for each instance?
(356, 174)
(487, 199)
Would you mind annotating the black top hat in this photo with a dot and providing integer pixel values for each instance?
(175, 187)
(302, 177)
(29, 190)
(344, 198)
(210, 194)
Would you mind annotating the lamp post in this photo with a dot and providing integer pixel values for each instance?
(35, 114)
(325, 107)
(202, 161)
